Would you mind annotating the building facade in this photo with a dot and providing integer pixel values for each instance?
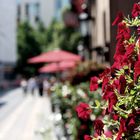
(100, 29)
(35, 11)
(44, 11)
(102, 34)
(59, 7)
(7, 36)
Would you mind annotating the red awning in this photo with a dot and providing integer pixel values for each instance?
(50, 68)
(55, 67)
(55, 56)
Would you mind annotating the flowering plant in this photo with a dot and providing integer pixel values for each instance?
(120, 84)
(66, 97)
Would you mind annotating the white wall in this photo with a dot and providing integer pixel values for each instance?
(47, 11)
(8, 31)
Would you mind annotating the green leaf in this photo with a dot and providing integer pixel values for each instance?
(97, 103)
(132, 92)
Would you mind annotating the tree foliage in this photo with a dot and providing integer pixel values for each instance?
(60, 36)
(32, 42)
(28, 46)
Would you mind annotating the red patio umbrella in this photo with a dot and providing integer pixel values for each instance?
(55, 67)
(50, 68)
(54, 56)
(67, 64)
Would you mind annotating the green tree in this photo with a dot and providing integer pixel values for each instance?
(28, 46)
(60, 36)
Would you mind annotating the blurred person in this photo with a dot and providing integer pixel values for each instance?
(40, 86)
(32, 85)
(46, 86)
(23, 85)
(53, 81)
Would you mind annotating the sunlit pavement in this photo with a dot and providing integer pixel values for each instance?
(25, 117)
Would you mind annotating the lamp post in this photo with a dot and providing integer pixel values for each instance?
(85, 32)
(80, 49)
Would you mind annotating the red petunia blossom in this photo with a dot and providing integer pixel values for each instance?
(123, 32)
(136, 69)
(83, 127)
(83, 111)
(110, 96)
(118, 19)
(105, 83)
(112, 101)
(120, 49)
(109, 89)
(105, 73)
(120, 61)
(135, 10)
(87, 137)
(116, 65)
(98, 126)
(138, 30)
(94, 83)
(122, 84)
(108, 134)
(130, 124)
(116, 83)
(130, 51)
(138, 113)
(122, 128)
(115, 117)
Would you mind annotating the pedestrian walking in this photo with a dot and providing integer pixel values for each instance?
(32, 85)
(40, 87)
(23, 85)
(46, 86)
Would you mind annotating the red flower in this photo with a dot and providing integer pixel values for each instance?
(138, 113)
(98, 126)
(137, 69)
(120, 49)
(122, 84)
(110, 96)
(83, 111)
(87, 137)
(105, 83)
(116, 83)
(138, 30)
(108, 91)
(94, 83)
(130, 124)
(123, 32)
(105, 73)
(83, 127)
(116, 64)
(112, 101)
(108, 134)
(130, 50)
(115, 117)
(118, 19)
(136, 10)
(122, 128)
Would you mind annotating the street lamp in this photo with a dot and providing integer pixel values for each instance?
(80, 49)
(84, 25)
(85, 32)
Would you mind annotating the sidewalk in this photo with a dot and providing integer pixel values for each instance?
(29, 121)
